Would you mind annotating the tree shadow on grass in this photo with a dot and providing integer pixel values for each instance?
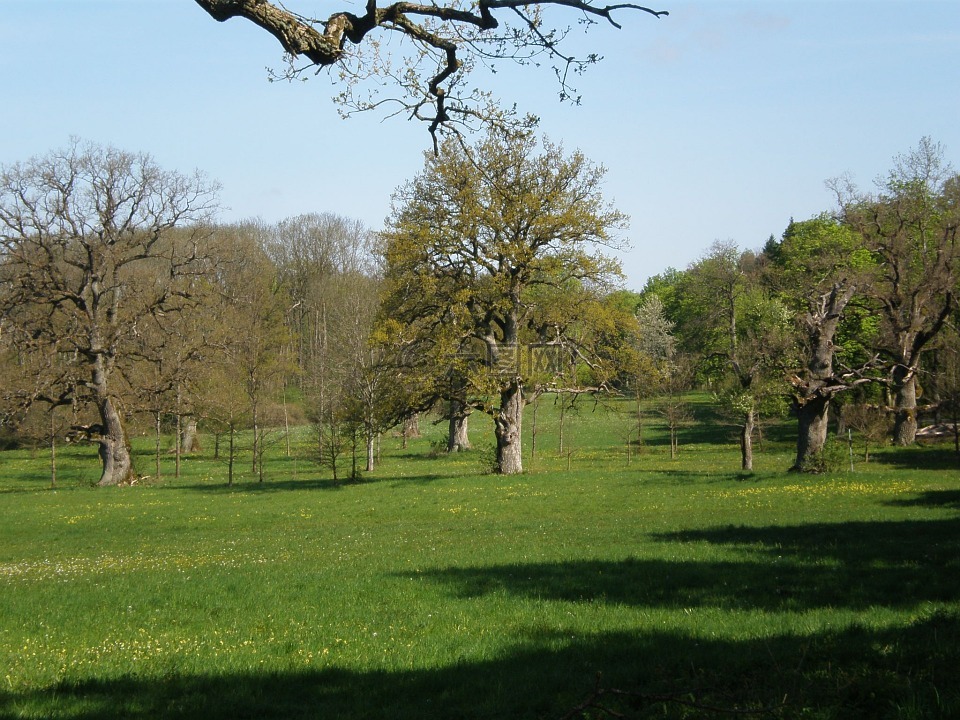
(854, 565)
(931, 499)
(253, 486)
(850, 673)
(397, 481)
(712, 433)
(287, 485)
(703, 478)
(918, 458)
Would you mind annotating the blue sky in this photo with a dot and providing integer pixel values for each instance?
(720, 122)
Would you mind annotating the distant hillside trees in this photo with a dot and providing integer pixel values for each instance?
(328, 265)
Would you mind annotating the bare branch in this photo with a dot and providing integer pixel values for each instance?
(447, 35)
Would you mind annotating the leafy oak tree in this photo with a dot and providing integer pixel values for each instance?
(481, 247)
(90, 247)
(429, 77)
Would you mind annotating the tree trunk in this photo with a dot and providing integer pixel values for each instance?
(563, 413)
(260, 451)
(812, 420)
(114, 448)
(256, 437)
(507, 425)
(353, 456)
(286, 417)
(159, 440)
(190, 442)
(232, 455)
(746, 440)
(905, 407)
(53, 448)
(370, 454)
(814, 392)
(458, 438)
(177, 446)
(411, 428)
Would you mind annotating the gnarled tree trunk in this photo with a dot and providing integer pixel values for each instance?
(458, 438)
(814, 391)
(190, 442)
(904, 406)
(114, 447)
(507, 425)
(812, 421)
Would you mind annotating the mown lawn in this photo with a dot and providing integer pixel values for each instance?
(435, 589)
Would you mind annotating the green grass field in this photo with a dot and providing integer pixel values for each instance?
(435, 589)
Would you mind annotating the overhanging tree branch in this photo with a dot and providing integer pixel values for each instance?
(447, 38)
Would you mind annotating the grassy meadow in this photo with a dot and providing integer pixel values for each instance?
(600, 580)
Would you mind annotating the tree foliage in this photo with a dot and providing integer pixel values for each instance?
(493, 254)
(910, 228)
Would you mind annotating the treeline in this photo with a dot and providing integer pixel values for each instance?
(247, 326)
(854, 311)
(127, 307)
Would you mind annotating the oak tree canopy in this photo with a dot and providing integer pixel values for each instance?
(442, 43)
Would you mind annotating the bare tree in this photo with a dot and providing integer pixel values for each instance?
(871, 422)
(327, 265)
(312, 253)
(361, 373)
(442, 43)
(253, 333)
(88, 252)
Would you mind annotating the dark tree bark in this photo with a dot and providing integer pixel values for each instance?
(812, 426)
(114, 447)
